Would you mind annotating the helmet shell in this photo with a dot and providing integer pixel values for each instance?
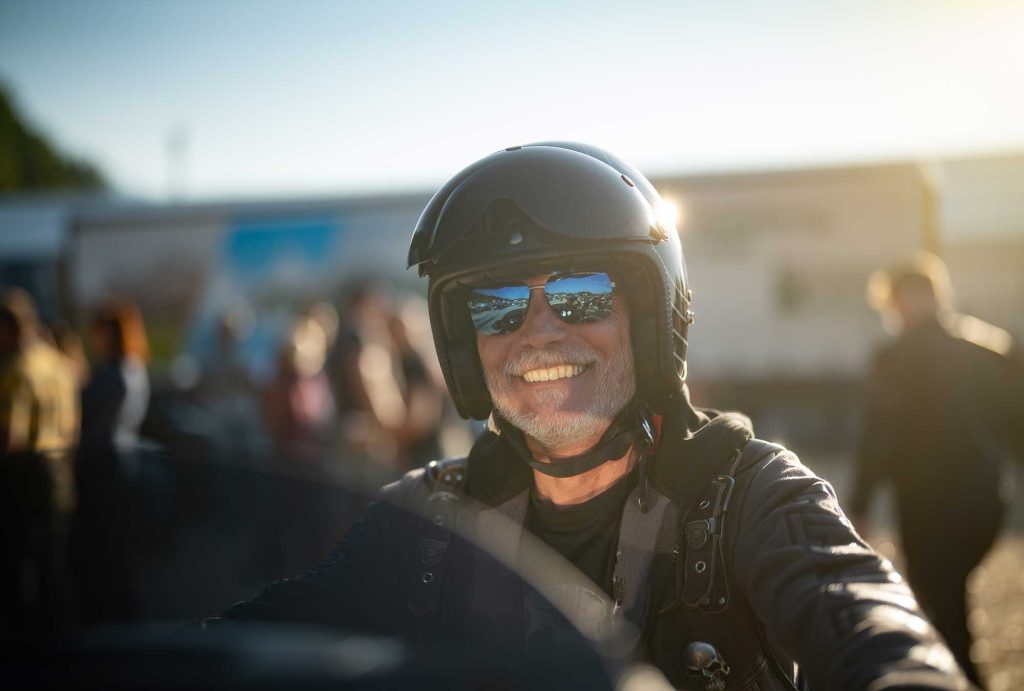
(553, 206)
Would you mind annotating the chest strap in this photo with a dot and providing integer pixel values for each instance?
(639, 533)
(445, 479)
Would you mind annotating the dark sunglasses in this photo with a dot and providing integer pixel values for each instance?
(577, 298)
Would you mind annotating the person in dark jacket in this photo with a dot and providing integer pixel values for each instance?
(114, 404)
(561, 310)
(944, 403)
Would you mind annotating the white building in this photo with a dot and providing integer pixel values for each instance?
(778, 261)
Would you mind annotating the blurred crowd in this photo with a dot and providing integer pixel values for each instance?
(354, 399)
(368, 381)
(65, 426)
(253, 473)
(359, 383)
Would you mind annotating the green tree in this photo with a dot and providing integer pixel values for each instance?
(29, 162)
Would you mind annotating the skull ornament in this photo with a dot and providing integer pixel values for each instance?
(704, 664)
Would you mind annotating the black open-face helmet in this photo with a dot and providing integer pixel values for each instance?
(546, 207)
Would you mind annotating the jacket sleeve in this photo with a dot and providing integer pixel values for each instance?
(357, 586)
(823, 596)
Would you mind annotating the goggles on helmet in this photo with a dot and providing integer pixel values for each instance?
(575, 298)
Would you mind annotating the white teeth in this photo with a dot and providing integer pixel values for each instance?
(552, 373)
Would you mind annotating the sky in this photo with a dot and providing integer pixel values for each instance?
(219, 98)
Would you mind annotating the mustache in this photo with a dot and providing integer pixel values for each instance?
(533, 358)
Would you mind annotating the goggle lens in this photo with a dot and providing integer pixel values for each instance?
(577, 298)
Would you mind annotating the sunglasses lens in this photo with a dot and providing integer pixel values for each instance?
(580, 298)
(576, 298)
(500, 309)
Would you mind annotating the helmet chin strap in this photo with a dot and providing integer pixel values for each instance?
(628, 427)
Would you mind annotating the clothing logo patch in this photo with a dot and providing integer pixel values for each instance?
(431, 552)
(697, 533)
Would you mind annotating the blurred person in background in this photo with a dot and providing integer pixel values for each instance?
(69, 343)
(224, 374)
(298, 405)
(388, 384)
(114, 404)
(419, 435)
(227, 393)
(300, 414)
(366, 380)
(944, 409)
(38, 429)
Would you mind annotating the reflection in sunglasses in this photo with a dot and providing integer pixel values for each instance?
(577, 298)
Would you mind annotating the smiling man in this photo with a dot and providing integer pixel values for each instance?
(560, 308)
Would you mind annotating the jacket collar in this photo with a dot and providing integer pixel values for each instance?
(687, 455)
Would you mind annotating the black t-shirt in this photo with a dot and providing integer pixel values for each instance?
(585, 534)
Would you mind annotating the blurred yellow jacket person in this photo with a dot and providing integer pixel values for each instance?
(38, 428)
(38, 400)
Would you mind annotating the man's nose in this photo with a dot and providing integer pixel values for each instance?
(541, 327)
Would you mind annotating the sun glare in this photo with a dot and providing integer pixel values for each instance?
(670, 212)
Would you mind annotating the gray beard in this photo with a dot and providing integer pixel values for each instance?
(616, 385)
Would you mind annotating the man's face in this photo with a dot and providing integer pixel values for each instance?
(561, 384)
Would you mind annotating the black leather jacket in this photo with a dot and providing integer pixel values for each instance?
(779, 577)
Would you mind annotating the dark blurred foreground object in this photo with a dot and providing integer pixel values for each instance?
(288, 658)
(114, 404)
(945, 407)
(38, 425)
